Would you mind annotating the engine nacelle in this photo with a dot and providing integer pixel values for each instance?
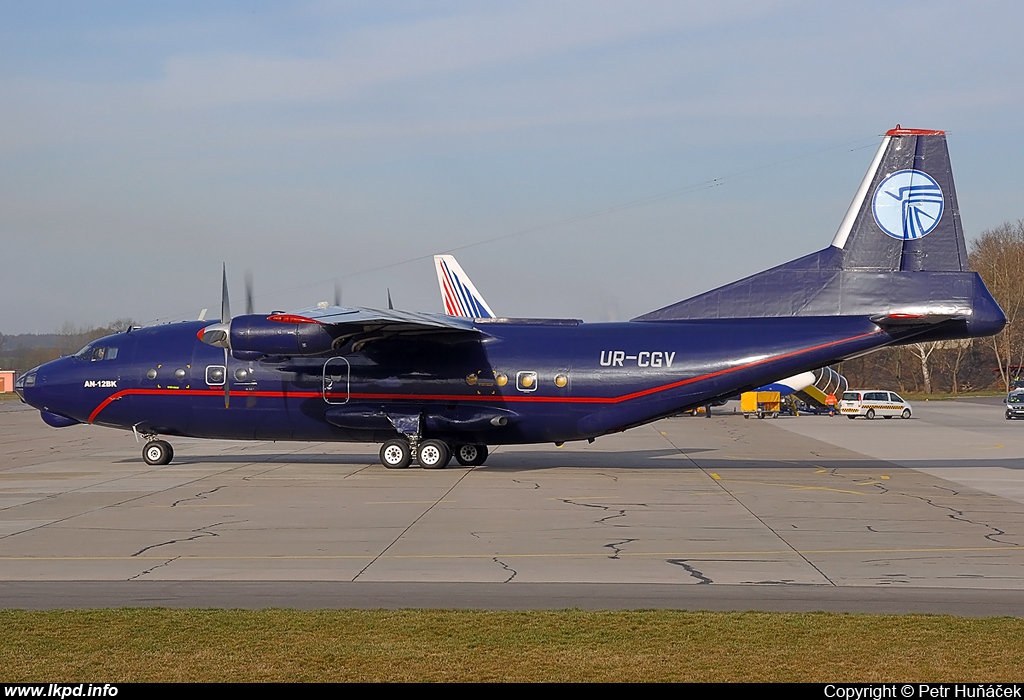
(281, 335)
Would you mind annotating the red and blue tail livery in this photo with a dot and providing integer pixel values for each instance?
(458, 292)
(430, 387)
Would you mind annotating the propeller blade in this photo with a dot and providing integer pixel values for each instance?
(225, 321)
(227, 389)
(248, 293)
(225, 303)
(390, 305)
(337, 292)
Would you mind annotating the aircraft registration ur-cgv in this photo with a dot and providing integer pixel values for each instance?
(433, 386)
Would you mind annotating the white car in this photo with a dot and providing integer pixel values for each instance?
(873, 402)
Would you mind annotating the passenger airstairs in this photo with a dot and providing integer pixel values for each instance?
(826, 381)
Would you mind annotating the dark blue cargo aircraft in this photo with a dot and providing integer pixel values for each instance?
(433, 386)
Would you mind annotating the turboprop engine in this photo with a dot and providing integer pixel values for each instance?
(255, 336)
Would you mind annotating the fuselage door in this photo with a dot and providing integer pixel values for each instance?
(336, 380)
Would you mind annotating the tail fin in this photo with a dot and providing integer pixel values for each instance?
(907, 195)
(899, 254)
(458, 293)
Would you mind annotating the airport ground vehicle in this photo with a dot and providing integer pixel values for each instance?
(1014, 404)
(760, 404)
(873, 402)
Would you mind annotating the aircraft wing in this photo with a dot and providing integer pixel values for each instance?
(400, 320)
(325, 328)
(361, 325)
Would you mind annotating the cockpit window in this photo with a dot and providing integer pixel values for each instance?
(84, 352)
(99, 354)
(26, 380)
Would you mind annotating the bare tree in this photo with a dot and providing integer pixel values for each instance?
(71, 337)
(120, 325)
(948, 361)
(923, 351)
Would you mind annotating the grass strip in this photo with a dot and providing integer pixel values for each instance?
(166, 645)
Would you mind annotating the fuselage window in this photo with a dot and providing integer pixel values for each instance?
(526, 381)
(215, 375)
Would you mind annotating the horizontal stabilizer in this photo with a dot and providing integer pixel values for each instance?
(906, 319)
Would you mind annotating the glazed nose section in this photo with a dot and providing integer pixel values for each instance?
(26, 381)
(49, 388)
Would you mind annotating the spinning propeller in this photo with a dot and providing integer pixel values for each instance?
(219, 334)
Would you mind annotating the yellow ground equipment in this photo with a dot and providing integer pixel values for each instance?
(760, 403)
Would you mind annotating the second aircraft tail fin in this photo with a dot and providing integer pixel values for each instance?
(458, 293)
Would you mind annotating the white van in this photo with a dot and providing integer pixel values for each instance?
(873, 402)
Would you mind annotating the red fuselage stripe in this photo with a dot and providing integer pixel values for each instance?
(460, 397)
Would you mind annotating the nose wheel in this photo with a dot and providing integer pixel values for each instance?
(157, 453)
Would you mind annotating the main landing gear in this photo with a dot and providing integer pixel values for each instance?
(157, 453)
(431, 454)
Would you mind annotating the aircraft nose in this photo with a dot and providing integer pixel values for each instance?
(25, 385)
(46, 387)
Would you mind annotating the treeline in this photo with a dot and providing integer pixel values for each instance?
(23, 352)
(956, 366)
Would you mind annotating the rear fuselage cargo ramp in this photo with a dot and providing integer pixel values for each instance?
(435, 386)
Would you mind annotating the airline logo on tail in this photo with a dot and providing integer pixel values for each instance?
(908, 204)
(458, 292)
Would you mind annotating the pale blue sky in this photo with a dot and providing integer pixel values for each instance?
(142, 144)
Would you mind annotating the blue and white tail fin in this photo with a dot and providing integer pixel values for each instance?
(458, 293)
(898, 257)
(907, 195)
